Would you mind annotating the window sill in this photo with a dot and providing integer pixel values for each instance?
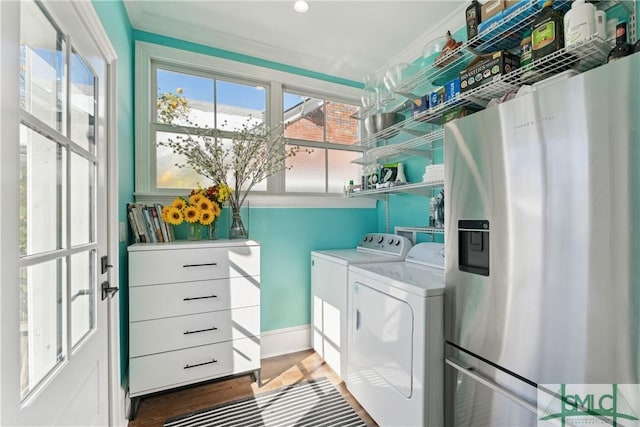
(277, 201)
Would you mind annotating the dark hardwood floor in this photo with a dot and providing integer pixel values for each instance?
(277, 372)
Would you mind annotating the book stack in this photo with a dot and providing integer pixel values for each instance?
(147, 225)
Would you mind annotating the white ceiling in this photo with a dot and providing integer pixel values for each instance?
(345, 39)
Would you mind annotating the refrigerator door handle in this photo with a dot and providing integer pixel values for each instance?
(491, 384)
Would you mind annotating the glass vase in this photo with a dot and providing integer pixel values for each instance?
(237, 230)
(211, 231)
(193, 231)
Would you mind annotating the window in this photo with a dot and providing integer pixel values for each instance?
(207, 101)
(328, 129)
(219, 90)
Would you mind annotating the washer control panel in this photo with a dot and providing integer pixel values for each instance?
(385, 243)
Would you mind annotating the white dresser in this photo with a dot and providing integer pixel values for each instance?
(194, 312)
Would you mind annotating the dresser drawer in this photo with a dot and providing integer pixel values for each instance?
(177, 299)
(174, 333)
(167, 265)
(161, 371)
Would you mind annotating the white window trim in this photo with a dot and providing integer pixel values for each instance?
(146, 52)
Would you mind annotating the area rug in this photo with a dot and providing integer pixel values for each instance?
(313, 403)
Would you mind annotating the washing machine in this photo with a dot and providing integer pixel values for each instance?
(395, 339)
(329, 288)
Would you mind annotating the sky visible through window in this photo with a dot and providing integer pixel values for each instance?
(200, 88)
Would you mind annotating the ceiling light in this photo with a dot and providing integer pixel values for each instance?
(301, 6)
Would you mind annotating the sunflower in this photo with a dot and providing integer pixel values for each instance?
(195, 198)
(174, 216)
(207, 217)
(179, 203)
(204, 204)
(165, 213)
(191, 214)
(216, 209)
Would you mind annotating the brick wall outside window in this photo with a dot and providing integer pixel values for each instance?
(340, 127)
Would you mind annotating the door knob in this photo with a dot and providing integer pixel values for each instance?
(107, 290)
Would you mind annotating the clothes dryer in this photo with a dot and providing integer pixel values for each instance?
(395, 340)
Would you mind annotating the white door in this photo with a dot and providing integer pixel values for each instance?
(54, 348)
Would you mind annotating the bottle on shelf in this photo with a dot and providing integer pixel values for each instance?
(579, 22)
(601, 24)
(473, 17)
(622, 48)
(547, 31)
(400, 175)
(525, 49)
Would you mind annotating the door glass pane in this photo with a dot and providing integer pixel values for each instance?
(83, 103)
(82, 193)
(303, 118)
(236, 103)
(341, 170)
(82, 294)
(42, 67)
(179, 94)
(42, 321)
(307, 172)
(42, 199)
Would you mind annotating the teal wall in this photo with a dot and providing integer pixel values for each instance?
(116, 23)
(287, 236)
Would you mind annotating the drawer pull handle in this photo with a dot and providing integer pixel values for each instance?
(187, 366)
(200, 265)
(193, 298)
(213, 328)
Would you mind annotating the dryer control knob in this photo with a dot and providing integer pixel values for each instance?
(381, 239)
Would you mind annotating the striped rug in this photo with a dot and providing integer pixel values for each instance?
(313, 403)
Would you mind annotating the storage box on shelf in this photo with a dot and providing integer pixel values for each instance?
(194, 313)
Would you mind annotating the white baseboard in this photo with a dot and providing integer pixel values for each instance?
(286, 340)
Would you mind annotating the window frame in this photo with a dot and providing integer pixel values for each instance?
(148, 55)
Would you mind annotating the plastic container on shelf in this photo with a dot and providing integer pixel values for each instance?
(579, 22)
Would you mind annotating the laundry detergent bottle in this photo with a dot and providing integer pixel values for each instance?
(579, 22)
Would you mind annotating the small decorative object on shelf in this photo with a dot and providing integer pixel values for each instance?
(211, 231)
(203, 208)
(448, 54)
(193, 231)
(622, 48)
(237, 229)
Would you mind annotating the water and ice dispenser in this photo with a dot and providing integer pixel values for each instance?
(473, 246)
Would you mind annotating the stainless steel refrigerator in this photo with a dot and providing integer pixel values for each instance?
(542, 248)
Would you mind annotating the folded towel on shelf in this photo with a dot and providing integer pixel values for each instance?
(433, 173)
